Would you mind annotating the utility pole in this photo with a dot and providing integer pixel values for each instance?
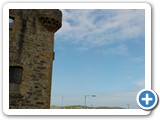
(85, 97)
(62, 101)
(128, 106)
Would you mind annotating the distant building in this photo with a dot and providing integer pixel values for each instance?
(31, 43)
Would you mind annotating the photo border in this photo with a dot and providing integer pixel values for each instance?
(8, 6)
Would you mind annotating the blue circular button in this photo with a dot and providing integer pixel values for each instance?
(147, 99)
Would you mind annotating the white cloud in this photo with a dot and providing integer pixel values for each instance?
(94, 28)
(138, 59)
(116, 50)
(88, 29)
(140, 83)
(82, 48)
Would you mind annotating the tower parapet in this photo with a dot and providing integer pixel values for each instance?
(52, 23)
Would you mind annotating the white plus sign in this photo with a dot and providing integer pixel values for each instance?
(147, 99)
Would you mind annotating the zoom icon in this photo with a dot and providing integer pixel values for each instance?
(147, 99)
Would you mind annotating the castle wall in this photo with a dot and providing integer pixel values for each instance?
(31, 46)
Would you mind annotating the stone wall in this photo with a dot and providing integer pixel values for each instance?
(31, 46)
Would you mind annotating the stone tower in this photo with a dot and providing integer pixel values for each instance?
(31, 44)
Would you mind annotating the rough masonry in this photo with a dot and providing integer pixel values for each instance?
(31, 44)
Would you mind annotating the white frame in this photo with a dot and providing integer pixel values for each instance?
(8, 6)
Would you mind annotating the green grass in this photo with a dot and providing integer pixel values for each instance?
(84, 107)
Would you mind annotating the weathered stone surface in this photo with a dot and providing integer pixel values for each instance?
(31, 43)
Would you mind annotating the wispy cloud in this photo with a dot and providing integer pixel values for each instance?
(116, 50)
(138, 59)
(140, 83)
(93, 28)
(82, 48)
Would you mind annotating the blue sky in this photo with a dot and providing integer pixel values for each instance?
(99, 52)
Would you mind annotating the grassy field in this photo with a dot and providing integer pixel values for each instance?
(84, 107)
